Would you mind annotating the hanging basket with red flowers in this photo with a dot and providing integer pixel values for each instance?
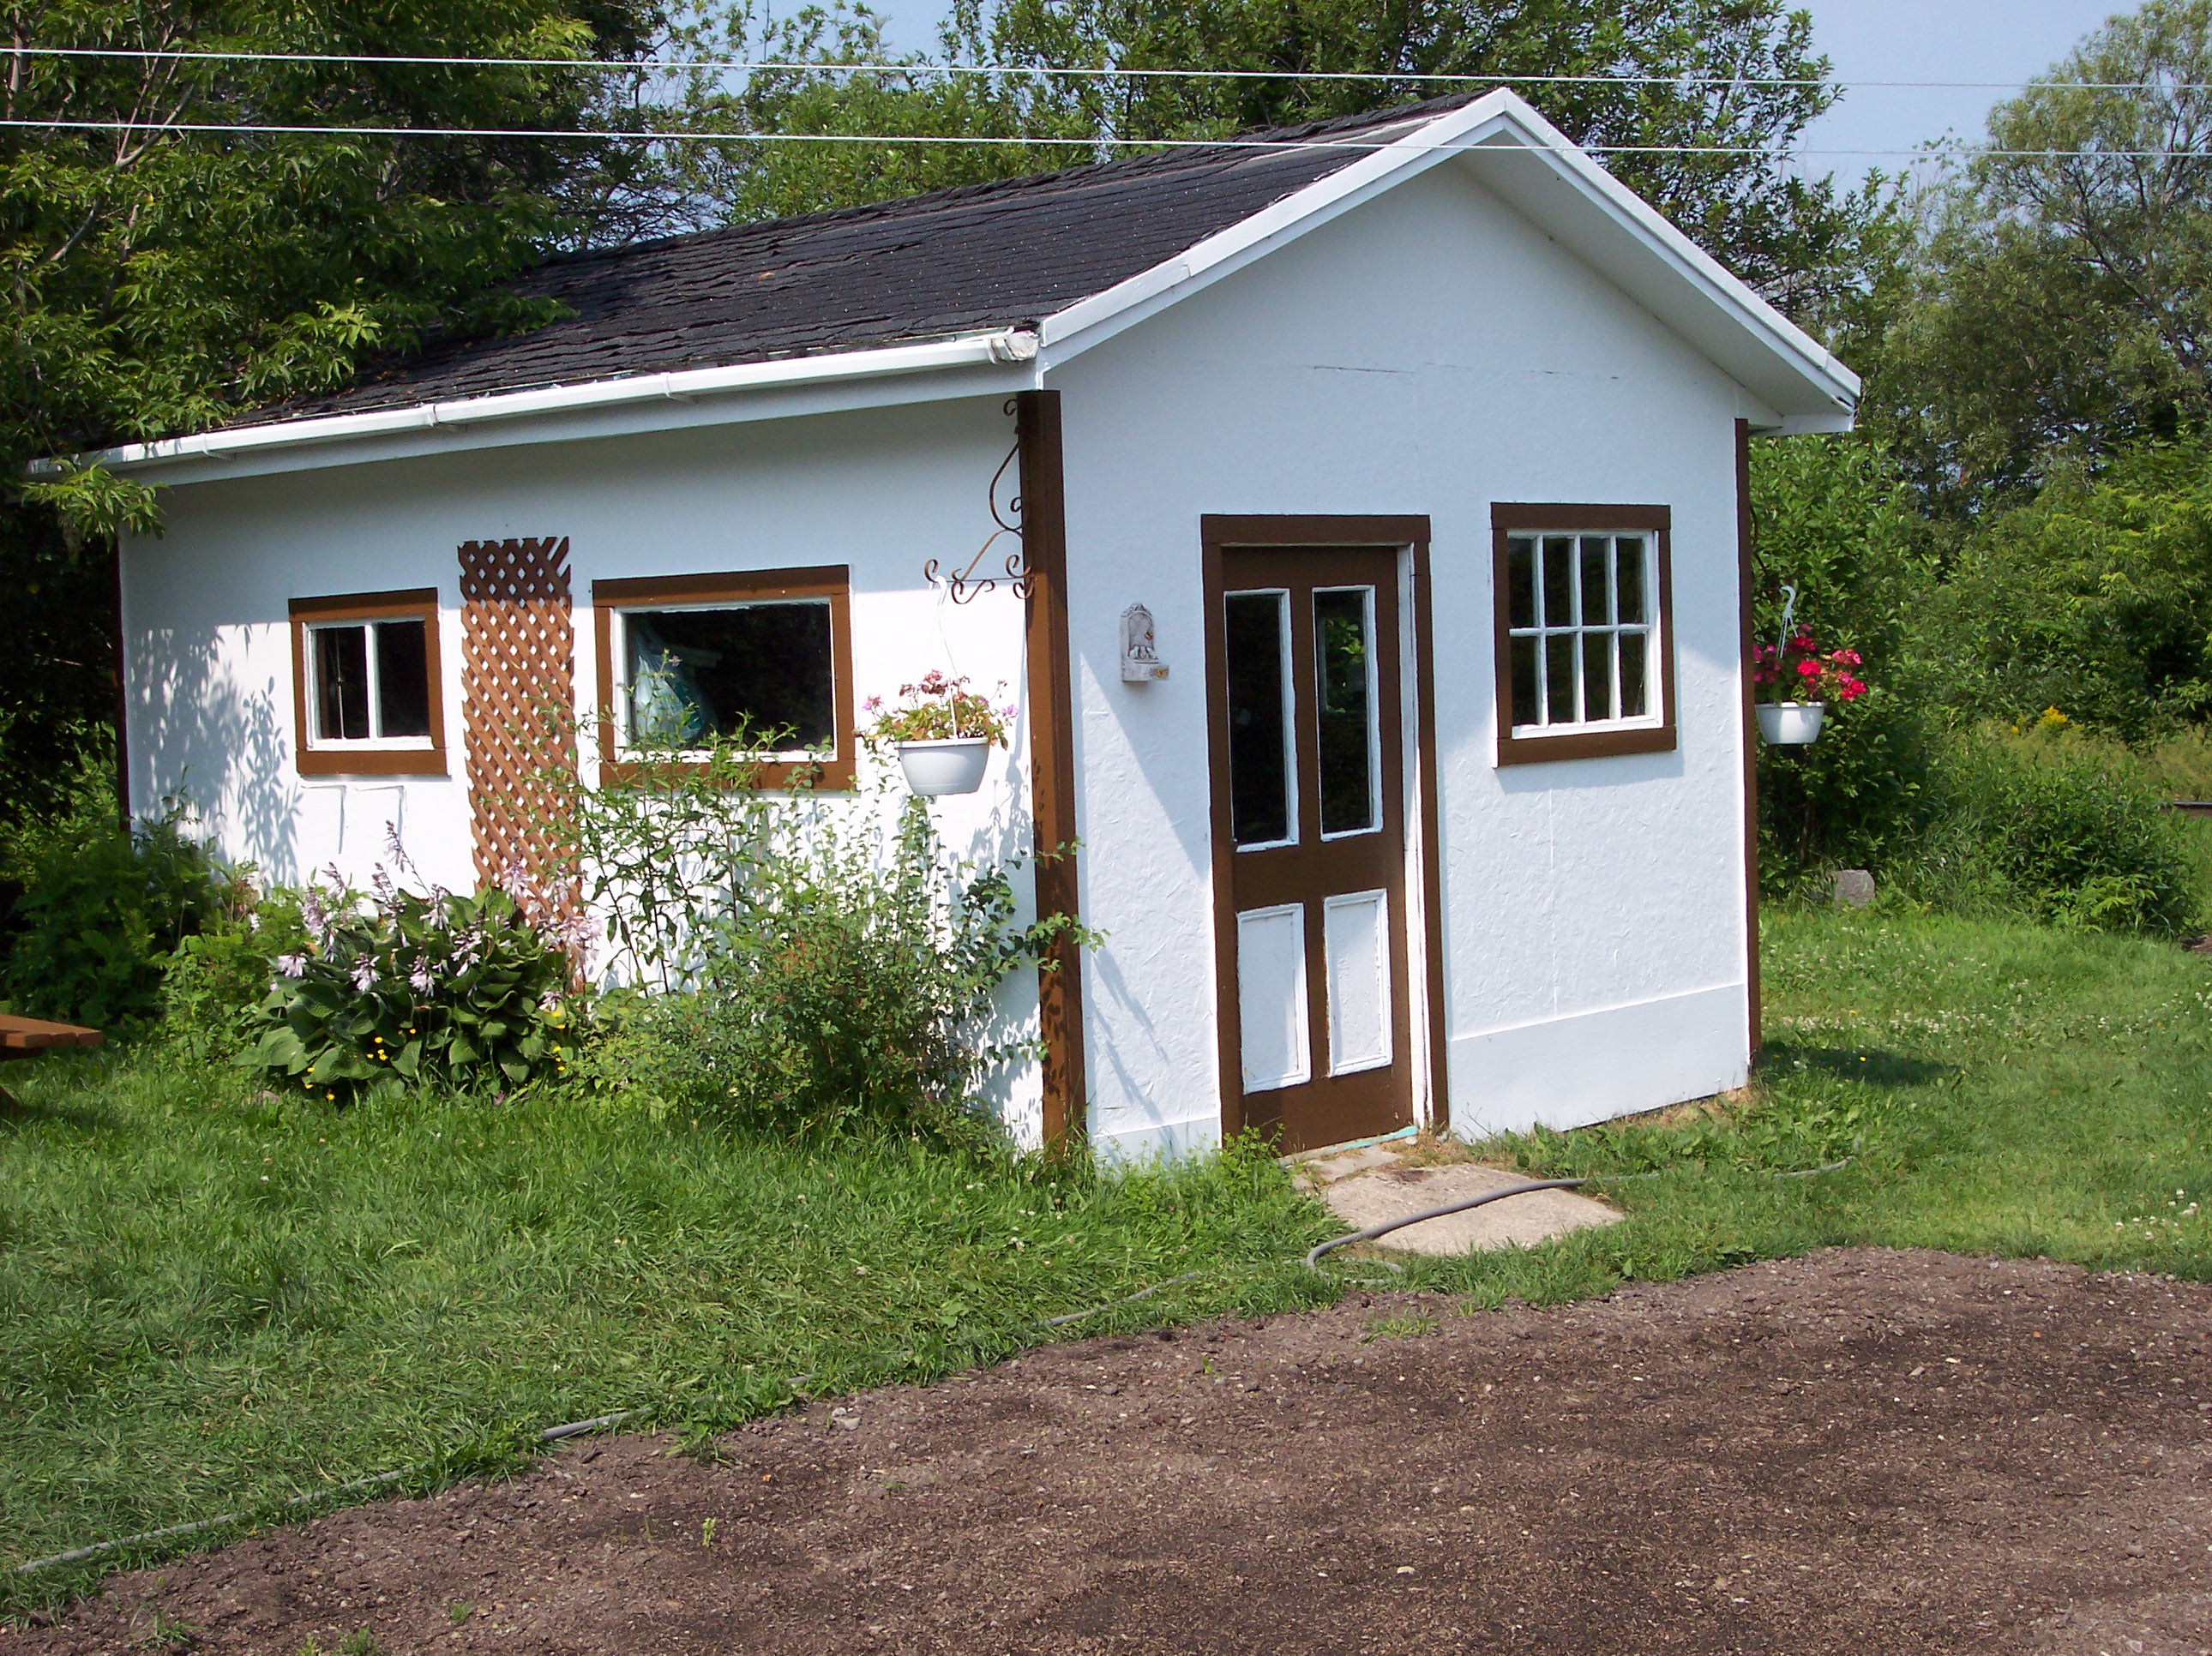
(1796, 680)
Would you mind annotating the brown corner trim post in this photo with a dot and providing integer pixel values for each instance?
(122, 686)
(1743, 581)
(1052, 756)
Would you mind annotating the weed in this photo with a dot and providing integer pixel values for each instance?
(1408, 1327)
(706, 1533)
(459, 1612)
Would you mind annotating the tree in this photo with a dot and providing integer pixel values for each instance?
(2062, 299)
(158, 280)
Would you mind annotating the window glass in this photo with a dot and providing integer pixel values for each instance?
(762, 671)
(1578, 629)
(341, 683)
(1521, 583)
(1259, 728)
(402, 679)
(1343, 650)
(1558, 582)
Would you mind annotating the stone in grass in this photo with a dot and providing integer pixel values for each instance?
(1854, 888)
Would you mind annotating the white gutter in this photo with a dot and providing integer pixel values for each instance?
(1006, 346)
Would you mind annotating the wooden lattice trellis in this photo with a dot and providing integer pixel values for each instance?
(518, 666)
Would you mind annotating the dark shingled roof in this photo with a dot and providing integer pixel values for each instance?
(961, 261)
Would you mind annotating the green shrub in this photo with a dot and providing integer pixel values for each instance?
(2061, 826)
(215, 982)
(101, 911)
(1858, 797)
(852, 990)
(790, 962)
(457, 990)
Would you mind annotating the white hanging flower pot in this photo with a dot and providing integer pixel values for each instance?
(1790, 724)
(954, 765)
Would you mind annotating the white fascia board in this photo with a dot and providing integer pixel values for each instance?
(1816, 392)
(335, 437)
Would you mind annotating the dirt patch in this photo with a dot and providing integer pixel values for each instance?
(1854, 1451)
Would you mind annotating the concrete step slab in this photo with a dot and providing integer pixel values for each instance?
(1370, 1197)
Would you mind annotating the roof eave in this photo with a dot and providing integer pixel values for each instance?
(335, 435)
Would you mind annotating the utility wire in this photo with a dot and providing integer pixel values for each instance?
(1091, 141)
(677, 66)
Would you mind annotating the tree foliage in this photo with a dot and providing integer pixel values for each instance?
(2059, 304)
(158, 279)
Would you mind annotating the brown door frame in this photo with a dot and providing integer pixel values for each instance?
(1408, 534)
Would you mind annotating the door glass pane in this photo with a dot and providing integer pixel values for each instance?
(1595, 550)
(1628, 552)
(402, 679)
(341, 683)
(1633, 672)
(1343, 650)
(1258, 767)
(1597, 676)
(1560, 677)
(1559, 581)
(1521, 583)
(760, 670)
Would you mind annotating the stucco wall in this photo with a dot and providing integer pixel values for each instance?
(1429, 352)
(881, 490)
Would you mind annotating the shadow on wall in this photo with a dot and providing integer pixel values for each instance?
(195, 730)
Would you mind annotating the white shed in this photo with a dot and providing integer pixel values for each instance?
(1419, 439)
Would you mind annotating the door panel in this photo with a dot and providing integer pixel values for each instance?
(1270, 998)
(1309, 739)
(1356, 939)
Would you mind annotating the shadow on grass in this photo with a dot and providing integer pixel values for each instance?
(1871, 1066)
(19, 1115)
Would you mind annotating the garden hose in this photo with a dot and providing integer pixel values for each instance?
(1313, 1260)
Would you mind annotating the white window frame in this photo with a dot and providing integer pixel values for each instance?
(1289, 664)
(1654, 716)
(374, 742)
(1375, 813)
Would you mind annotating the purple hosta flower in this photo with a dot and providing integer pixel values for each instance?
(380, 885)
(397, 852)
(515, 880)
(549, 1002)
(465, 948)
(292, 966)
(419, 978)
(316, 917)
(364, 973)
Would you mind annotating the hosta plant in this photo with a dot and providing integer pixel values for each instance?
(462, 991)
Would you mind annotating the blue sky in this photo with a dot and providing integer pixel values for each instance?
(2006, 41)
(2009, 41)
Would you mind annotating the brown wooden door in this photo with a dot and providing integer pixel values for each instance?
(1310, 791)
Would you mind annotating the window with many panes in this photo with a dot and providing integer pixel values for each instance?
(1584, 666)
(765, 657)
(366, 684)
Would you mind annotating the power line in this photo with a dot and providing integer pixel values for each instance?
(679, 66)
(598, 135)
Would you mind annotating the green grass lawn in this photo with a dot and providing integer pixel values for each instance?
(212, 1300)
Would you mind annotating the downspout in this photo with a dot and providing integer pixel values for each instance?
(1052, 757)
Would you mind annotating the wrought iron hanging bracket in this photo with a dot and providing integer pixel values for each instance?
(965, 585)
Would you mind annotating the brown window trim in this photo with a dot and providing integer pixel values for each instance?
(419, 603)
(1510, 517)
(832, 581)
